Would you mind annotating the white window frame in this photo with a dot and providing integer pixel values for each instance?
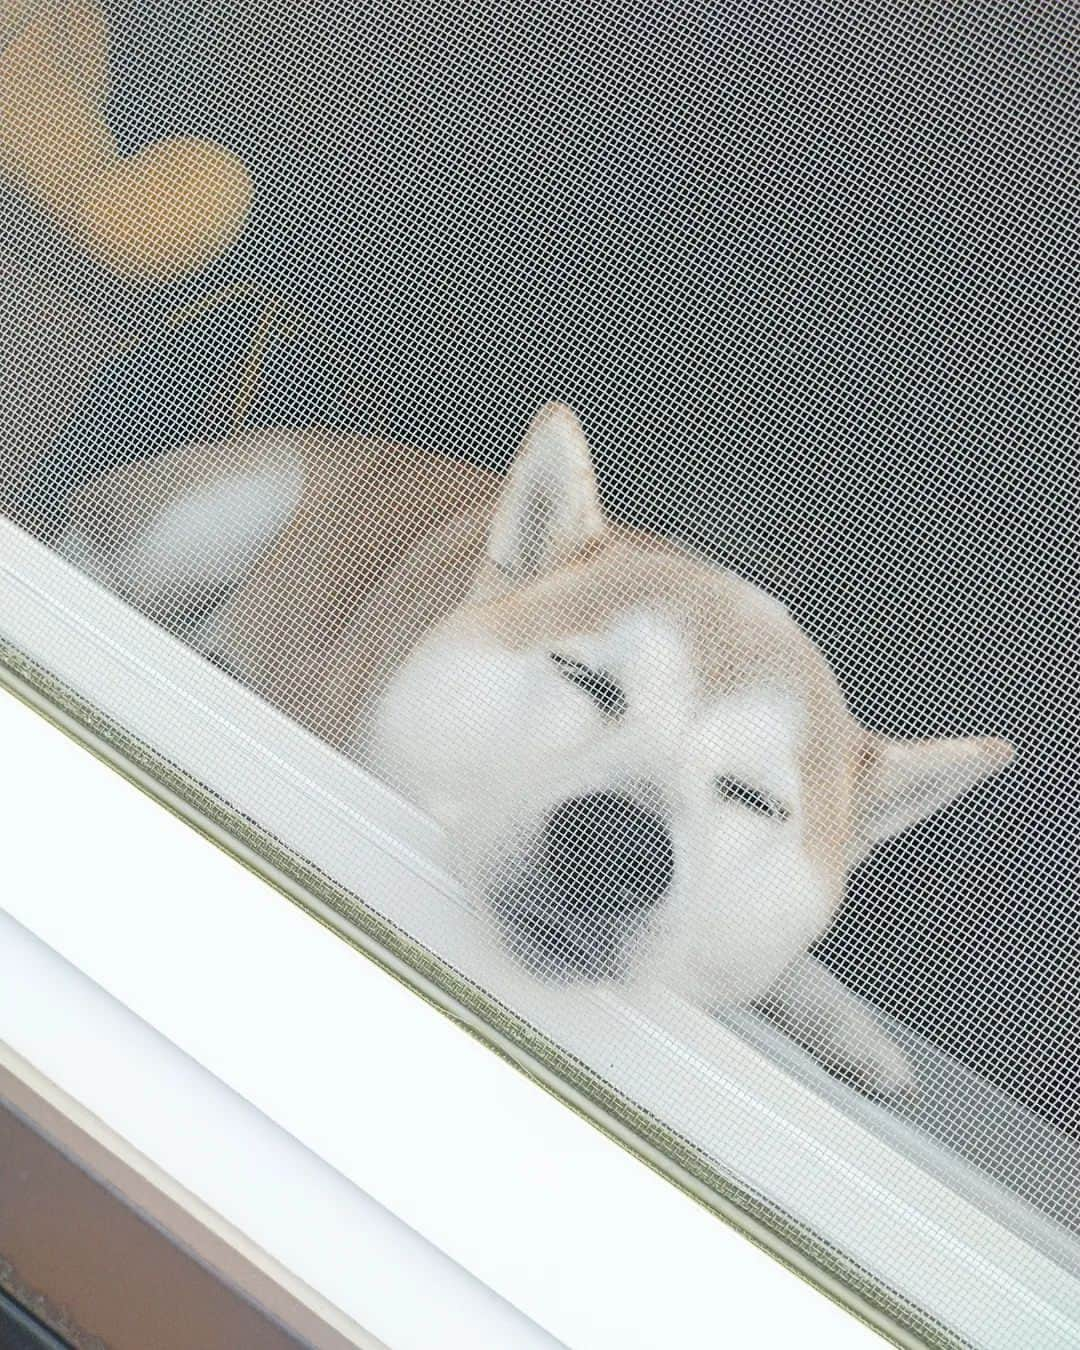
(349, 1261)
(915, 1232)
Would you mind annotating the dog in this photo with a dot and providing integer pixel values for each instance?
(644, 767)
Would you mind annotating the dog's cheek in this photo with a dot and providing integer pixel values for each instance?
(786, 903)
(419, 725)
(449, 720)
(740, 913)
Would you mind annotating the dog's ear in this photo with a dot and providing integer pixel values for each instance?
(550, 507)
(901, 782)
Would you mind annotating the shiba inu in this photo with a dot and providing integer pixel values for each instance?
(645, 768)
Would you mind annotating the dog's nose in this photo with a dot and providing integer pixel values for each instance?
(607, 855)
(601, 863)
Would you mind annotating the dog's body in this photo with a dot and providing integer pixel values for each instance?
(644, 767)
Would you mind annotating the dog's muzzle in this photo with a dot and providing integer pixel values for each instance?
(600, 864)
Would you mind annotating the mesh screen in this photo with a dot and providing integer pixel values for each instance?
(711, 682)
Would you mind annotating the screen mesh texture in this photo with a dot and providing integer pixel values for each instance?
(642, 436)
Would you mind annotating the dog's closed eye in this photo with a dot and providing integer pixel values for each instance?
(754, 799)
(600, 687)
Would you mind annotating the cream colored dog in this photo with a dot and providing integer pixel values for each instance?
(644, 767)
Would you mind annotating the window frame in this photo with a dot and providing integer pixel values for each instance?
(132, 664)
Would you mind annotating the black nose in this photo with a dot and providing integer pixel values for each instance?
(608, 854)
(603, 861)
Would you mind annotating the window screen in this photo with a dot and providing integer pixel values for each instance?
(613, 459)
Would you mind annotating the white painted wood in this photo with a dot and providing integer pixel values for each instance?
(282, 1022)
(551, 1205)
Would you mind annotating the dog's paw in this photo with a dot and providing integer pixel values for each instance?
(881, 1071)
(841, 1031)
(77, 547)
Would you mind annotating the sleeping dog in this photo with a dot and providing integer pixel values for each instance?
(644, 767)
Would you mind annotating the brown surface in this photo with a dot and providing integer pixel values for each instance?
(99, 1271)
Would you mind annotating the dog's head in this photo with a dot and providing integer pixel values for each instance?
(642, 763)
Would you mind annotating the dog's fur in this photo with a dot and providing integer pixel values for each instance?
(645, 768)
